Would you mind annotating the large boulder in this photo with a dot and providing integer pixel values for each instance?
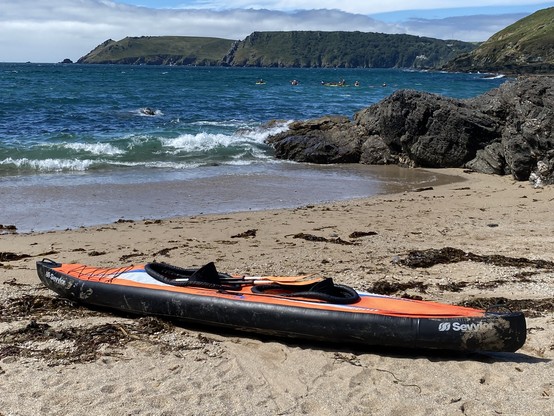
(508, 130)
(525, 111)
(330, 139)
(431, 130)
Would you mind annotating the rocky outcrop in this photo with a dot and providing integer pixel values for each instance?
(429, 130)
(329, 139)
(508, 130)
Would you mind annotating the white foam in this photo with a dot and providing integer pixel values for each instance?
(95, 148)
(207, 141)
(49, 165)
(226, 123)
(198, 142)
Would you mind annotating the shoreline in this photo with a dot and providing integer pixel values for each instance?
(146, 366)
(69, 202)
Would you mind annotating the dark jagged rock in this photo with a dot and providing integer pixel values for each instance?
(330, 139)
(525, 111)
(431, 130)
(508, 130)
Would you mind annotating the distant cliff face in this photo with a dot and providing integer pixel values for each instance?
(527, 46)
(160, 50)
(283, 49)
(315, 49)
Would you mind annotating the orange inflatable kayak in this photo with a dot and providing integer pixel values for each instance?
(308, 307)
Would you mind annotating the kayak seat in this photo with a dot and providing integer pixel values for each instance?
(207, 276)
(326, 291)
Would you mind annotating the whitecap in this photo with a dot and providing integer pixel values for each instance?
(95, 148)
(261, 133)
(199, 142)
(49, 165)
(250, 138)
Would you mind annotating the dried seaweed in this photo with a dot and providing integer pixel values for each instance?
(124, 258)
(37, 306)
(360, 234)
(77, 343)
(431, 257)
(247, 234)
(165, 251)
(336, 240)
(8, 256)
(383, 287)
(532, 307)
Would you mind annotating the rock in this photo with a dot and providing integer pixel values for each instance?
(525, 110)
(376, 152)
(489, 160)
(505, 131)
(433, 131)
(329, 139)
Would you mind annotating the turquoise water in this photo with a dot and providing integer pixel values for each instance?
(84, 125)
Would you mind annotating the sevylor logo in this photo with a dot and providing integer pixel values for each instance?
(445, 326)
(460, 327)
(56, 279)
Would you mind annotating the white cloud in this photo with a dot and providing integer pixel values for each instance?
(469, 28)
(42, 31)
(351, 6)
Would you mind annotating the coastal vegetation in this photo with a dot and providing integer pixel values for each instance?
(527, 46)
(306, 49)
(313, 49)
(160, 50)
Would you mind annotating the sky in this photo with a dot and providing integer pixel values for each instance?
(53, 30)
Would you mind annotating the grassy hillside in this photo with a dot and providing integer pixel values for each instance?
(282, 49)
(525, 46)
(160, 50)
(343, 49)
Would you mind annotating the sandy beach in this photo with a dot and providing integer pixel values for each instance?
(60, 358)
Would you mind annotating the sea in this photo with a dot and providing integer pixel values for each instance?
(84, 145)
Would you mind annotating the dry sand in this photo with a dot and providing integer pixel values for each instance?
(61, 359)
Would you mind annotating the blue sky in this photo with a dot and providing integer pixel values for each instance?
(50, 31)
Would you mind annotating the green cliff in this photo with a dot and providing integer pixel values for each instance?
(160, 50)
(309, 49)
(527, 46)
(314, 49)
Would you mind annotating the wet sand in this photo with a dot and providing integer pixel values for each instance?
(59, 358)
(58, 202)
